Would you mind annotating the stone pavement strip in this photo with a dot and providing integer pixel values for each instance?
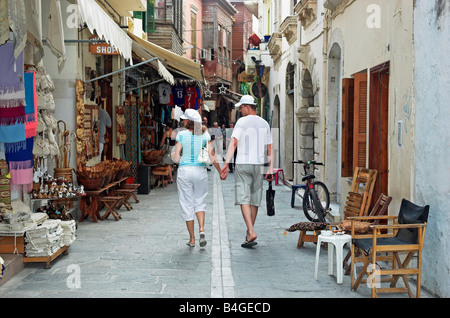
(144, 255)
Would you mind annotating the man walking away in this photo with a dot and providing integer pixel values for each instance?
(251, 136)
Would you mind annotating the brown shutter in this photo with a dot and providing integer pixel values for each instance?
(348, 95)
(360, 121)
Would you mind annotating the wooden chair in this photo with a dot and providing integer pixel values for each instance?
(408, 233)
(359, 198)
(379, 209)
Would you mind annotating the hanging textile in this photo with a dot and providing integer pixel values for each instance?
(55, 31)
(4, 21)
(20, 163)
(132, 129)
(12, 92)
(18, 24)
(31, 105)
(33, 30)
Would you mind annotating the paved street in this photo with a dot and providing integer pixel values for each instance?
(145, 255)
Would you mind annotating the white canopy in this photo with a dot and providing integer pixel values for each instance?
(105, 27)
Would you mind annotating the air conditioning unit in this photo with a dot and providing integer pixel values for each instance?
(203, 54)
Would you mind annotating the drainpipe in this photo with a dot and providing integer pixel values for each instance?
(324, 93)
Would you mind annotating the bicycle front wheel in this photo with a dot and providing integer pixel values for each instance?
(316, 212)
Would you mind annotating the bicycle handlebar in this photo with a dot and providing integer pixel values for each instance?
(309, 162)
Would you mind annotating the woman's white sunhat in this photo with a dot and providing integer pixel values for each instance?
(192, 115)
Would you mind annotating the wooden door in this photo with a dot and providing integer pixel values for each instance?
(378, 126)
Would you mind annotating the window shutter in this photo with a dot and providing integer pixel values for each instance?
(360, 122)
(150, 16)
(348, 95)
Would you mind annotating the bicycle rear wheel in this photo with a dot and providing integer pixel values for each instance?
(318, 212)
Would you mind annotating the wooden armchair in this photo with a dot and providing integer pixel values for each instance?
(351, 224)
(359, 197)
(408, 232)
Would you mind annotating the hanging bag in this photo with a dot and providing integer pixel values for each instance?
(203, 157)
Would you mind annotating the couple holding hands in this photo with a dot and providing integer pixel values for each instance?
(252, 139)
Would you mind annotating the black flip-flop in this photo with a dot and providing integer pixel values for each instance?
(248, 244)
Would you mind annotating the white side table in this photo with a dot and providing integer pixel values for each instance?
(337, 241)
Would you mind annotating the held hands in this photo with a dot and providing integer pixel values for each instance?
(224, 172)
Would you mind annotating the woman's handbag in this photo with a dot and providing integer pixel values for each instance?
(203, 157)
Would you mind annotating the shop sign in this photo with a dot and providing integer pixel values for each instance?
(244, 77)
(210, 104)
(258, 90)
(101, 48)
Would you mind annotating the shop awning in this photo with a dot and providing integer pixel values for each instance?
(126, 8)
(105, 27)
(172, 61)
(146, 55)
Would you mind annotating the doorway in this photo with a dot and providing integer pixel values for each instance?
(378, 126)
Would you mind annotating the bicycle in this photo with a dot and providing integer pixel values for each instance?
(315, 192)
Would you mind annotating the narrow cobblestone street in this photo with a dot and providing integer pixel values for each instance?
(145, 255)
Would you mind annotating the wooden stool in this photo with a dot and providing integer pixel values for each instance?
(276, 171)
(163, 177)
(125, 194)
(133, 186)
(111, 204)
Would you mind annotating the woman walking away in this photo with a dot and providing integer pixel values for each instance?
(192, 179)
(167, 144)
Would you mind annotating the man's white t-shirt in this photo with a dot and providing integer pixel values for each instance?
(253, 135)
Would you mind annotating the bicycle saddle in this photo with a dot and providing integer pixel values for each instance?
(309, 177)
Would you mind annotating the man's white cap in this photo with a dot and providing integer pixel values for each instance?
(192, 115)
(246, 100)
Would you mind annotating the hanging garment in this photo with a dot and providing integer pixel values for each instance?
(18, 24)
(179, 94)
(191, 96)
(164, 91)
(34, 31)
(31, 119)
(20, 162)
(55, 31)
(12, 92)
(4, 21)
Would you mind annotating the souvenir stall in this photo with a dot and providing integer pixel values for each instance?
(161, 107)
(27, 139)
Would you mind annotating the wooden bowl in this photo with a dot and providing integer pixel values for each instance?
(91, 183)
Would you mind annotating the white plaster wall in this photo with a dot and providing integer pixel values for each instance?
(432, 140)
(363, 47)
(64, 76)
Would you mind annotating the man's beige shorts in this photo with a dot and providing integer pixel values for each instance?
(249, 184)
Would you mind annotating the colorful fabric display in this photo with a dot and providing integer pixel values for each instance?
(31, 105)
(20, 164)
(12, 92)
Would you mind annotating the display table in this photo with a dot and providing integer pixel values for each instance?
(337, 241)
(90, 203)
(47, 259)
